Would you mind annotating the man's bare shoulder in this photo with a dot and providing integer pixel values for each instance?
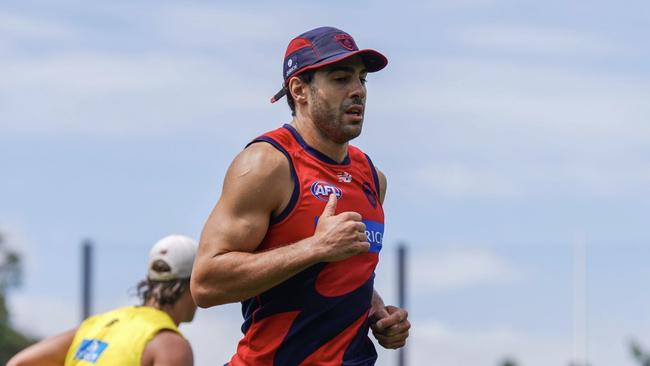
(258, 181)
(260, 158)
(168, 348)
(259, 172)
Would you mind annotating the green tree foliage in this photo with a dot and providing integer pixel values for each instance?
(11, 341)
(508, 362)
(640, 355)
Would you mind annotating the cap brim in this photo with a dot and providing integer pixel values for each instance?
(373, 60)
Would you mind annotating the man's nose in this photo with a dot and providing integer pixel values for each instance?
(358, 90)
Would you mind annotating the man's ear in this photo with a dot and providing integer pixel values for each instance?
(299, 90)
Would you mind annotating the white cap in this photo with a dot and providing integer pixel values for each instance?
(178, 251)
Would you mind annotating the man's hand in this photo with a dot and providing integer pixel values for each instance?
(340, 236)
(390, 326)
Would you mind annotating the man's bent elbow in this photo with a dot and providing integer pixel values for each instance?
(204, 295)
(199, 294)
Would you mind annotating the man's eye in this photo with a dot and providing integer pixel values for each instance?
(363, 80)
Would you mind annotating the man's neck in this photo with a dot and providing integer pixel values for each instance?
(316, 139)
(172, 311)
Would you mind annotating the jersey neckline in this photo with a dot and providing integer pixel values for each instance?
(312, 151)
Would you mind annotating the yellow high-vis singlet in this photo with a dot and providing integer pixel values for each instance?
(117, 337)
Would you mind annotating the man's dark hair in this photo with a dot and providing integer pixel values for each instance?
(307, 77)
(163, 292)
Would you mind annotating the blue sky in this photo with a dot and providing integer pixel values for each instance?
(509, 131)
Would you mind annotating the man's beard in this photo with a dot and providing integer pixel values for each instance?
(329, 120)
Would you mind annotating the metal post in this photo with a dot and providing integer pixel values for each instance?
(401, 292)
(580, 337)
(86, 278)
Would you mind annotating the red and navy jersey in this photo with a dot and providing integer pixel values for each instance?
(319, 316)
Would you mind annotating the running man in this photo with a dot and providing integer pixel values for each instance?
(145, 335)
(297, 231)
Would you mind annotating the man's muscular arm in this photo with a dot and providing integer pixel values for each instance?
(48, 352)
(257, 185)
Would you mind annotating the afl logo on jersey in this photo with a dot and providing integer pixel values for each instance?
(322, 190)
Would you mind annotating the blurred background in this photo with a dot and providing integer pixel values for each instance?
(514, 135)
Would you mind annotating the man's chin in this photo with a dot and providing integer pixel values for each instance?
(354, 130)
(348, 133)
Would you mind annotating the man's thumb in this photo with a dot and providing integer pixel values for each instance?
(330, 207)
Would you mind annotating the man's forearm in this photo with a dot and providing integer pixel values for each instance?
(377, 302)
(48, 352)
(236, 276)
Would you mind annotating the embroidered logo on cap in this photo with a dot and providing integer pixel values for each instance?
(346, 41)
(292, 65)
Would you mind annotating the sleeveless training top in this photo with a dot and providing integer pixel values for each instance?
(117, 337)
(319, 316)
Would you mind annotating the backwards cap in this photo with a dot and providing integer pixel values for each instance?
(320, 47)
(178, 252)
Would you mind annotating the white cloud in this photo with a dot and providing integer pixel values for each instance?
(531, 98)
(209, 25)
(433, 343)
(436, 271)
(42, 316)
(613, 176)
(435, 7)
(446, 269)
(95, 73)
(607, 177)
(528, 38)
(491, 129)
(460, 180)
(119, 93)
(20, 27)
(160, 86)
(103, 74)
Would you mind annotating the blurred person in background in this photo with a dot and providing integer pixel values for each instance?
(144, 335)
